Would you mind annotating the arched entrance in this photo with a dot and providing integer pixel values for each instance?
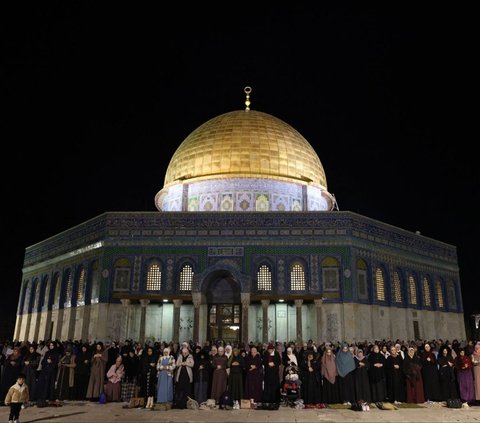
(222, 293)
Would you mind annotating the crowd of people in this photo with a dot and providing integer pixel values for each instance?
(171, 373)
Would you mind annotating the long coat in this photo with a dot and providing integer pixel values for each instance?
(97, 374)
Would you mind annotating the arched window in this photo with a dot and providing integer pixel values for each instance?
(81, 287)
(439, 293)
(95, 283)
(362, 279)
(26, 298)
(69, 288)
(412, 290)
(154, 277)
(452, 296)
(58, 290)
(297, 277)
(122, 274)
(36, 300)
(186, 278)
(330, 274)
(397, 288)
(264, 278)
(46, 297)
(427, 299)
(379, 284)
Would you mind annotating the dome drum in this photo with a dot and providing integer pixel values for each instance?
(245, 194)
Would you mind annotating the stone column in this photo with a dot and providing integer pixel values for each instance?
(245, 298)
(45, 329)
(265, 304)
(298, 305)
(126, 311)
(197, 300)
(176, 319)
(143, 318)
(318, 310)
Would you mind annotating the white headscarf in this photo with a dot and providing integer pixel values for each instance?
(291, 356)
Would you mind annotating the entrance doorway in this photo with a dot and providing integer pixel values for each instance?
(222, 292)
(416, 330)
(224, 322)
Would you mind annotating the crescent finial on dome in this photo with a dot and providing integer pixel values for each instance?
(247, 91)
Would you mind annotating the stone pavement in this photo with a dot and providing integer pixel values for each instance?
(113, 412)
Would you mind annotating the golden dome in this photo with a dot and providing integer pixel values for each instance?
(245, 144)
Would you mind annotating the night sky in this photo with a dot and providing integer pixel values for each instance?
(96, 98)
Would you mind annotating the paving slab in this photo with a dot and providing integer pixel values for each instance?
(89, 412)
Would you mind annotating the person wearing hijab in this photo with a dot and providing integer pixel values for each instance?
(362, 382)
(165, 366)
(65, 382)
(476, 370)
(219, 378)
(228, 351)
(395, 378)
(48, 374)
(345, 367)
(271, 379)
(131, 362)
(328, 369)
(201, 374)
(115, 374)
(235, 379)
(430, 374)
(148, 377)
(291, 358)
(446, 374)
(11, 368)
(31, 362)
(183, 378)
(376, 373)
(412, 369)
(82, 372)
(464, 366)
(254, 377)
(97, 372)
(311, 379)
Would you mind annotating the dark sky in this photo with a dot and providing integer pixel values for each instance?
(96, 98)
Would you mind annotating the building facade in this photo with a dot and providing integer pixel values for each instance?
(245, 247)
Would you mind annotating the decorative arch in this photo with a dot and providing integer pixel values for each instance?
(222, 266)
(122, 276)
(330, 273)
(362, 278)
(35, 300)
(452, 295)
(95, 280)
(57, 290)
(29, 294)
(45, 294)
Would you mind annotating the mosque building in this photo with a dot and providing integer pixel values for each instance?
(247, 245)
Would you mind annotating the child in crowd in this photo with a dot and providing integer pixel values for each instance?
(17, 396)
